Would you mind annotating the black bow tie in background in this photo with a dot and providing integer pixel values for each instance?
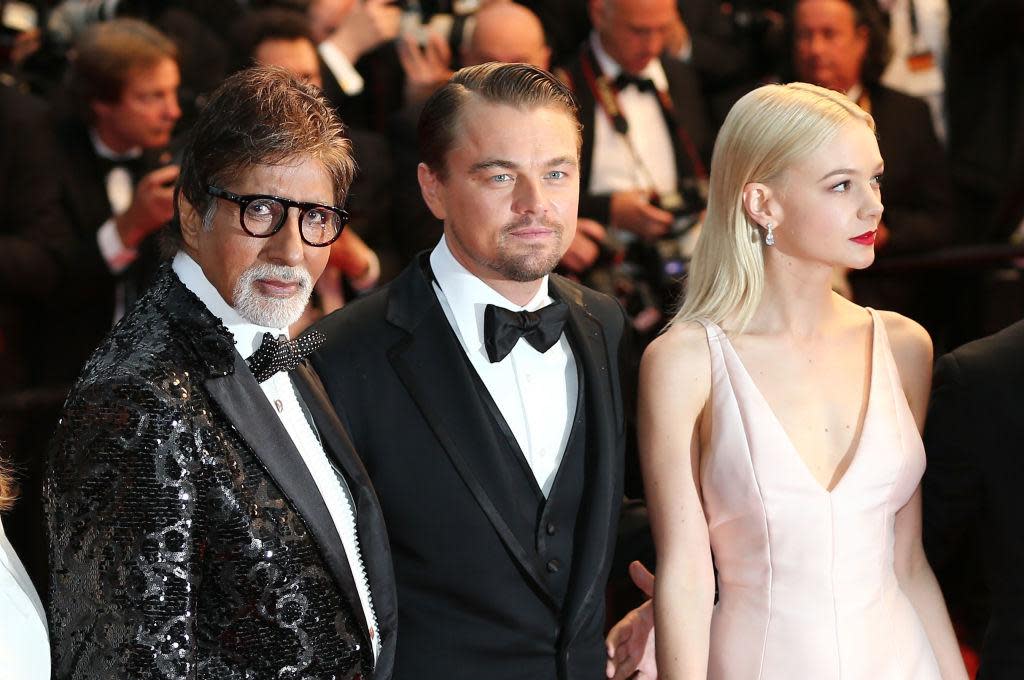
(624, 80)
(503, 328)
(282, 355)
(136, 167)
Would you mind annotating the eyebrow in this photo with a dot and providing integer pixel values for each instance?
(499, 163)
(847, 171)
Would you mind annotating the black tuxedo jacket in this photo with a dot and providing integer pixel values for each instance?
(974, 438)
(188, 538)
(691, 112)
(473, 603)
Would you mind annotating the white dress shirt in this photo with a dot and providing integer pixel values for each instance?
(613, 167)
(281, 394)
(535, 392)
(120, 191)
(932, 36)
(24, 644)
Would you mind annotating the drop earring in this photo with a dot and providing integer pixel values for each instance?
(769, 238)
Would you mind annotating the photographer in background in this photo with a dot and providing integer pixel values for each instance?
(646, 138)
(116, 179)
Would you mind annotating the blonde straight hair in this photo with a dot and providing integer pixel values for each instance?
(767, 131)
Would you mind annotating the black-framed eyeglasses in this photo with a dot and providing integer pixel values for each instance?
(263, 216)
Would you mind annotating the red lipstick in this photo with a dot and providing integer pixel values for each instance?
(865, 239)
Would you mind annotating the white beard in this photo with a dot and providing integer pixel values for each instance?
(267, 311)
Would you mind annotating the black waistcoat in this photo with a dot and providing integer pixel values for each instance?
(545, 527)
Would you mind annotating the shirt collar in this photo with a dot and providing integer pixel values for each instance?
(467, 296)
(611, 68)
(108, 153)
(855, 92)
(246, 334)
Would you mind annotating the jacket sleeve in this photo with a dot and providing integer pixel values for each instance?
(952, 489)
(122, 491)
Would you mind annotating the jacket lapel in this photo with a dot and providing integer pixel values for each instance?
(246, 407)
(598, 515)
(431, 364)
(373, 538)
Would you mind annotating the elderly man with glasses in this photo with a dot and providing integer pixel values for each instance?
(208, 516)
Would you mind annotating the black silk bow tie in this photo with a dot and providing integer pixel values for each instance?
(503, 328)
(282, 355)
(624, 80)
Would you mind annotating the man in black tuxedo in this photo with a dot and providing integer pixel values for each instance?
(208, 516)
(972, 487)
(646, 140)
(484, 397)
(116, 180)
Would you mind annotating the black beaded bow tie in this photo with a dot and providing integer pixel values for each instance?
(624, 80)
(282, 355)
(503, 328)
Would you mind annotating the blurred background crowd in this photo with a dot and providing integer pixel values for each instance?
(96, 96)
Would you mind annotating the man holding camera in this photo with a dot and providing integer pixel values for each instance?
(646, 135)
(116, 180)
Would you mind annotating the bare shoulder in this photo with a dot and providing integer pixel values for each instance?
(912, 351)
(910, 342)
(679, 361)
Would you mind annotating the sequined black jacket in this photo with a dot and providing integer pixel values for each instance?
(188, 539)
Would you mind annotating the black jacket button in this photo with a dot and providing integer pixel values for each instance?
(554, 566)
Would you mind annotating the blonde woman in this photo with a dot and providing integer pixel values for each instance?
(24, 649)
(779, 423)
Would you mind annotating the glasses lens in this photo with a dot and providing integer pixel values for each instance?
(262, 216)
(321, 225)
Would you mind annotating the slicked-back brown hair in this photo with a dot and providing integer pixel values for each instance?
(259, 116)
(520, 86)
(108, 51)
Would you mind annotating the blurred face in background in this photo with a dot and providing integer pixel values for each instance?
(325, 16)
(828, 45)
(633, 32)
(146, 112)
(297, 56)
(508, 33)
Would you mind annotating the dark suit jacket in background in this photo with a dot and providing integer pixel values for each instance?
(690, 111)
(188, 538)
(916, 189)
(972, 487)
(473, 604)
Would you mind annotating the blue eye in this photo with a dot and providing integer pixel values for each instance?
(502, 178)
(558, 174)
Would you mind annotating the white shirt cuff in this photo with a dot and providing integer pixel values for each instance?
(113, 250)
(344, 72)
(370, 277)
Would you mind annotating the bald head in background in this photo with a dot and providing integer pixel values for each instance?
(507, 32)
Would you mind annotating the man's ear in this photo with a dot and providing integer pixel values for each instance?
(761, 205)
(432, 188)
(191, 223)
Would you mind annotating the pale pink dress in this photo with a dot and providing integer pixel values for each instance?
(807, 589)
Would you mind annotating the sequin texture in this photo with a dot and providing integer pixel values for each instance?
(173, 552)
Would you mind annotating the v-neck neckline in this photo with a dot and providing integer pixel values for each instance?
(867, 407)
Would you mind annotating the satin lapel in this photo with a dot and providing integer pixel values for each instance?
(603, 484)
(245, 405)
(434, 370)
(373, 538)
